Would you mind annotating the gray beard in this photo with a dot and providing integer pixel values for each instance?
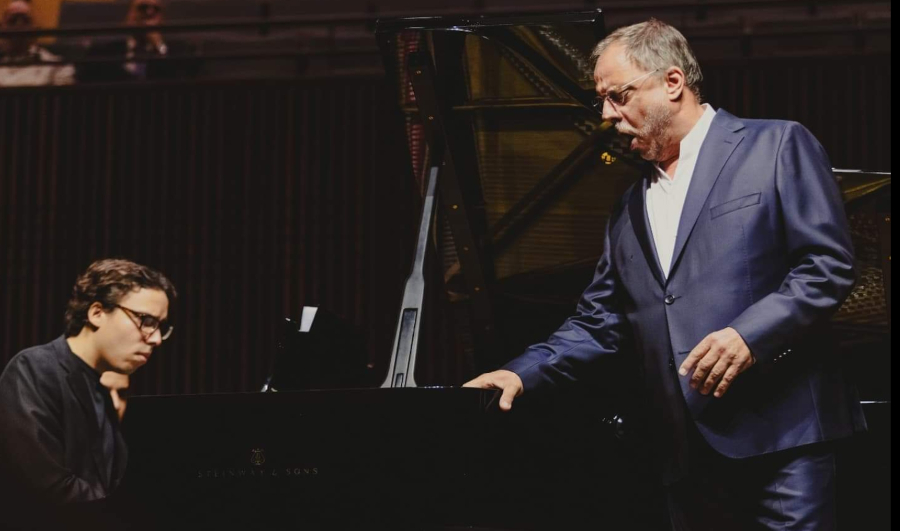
(654, 132)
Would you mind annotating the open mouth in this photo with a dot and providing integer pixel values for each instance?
(633, 143)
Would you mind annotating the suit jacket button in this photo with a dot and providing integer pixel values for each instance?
(669, 299)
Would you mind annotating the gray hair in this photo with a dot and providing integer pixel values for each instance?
(655, 45)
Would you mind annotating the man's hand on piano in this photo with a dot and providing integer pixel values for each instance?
(507, 381)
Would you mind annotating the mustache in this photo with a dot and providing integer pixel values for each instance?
(624, 130)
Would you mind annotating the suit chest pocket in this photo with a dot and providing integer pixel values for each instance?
(734, 204)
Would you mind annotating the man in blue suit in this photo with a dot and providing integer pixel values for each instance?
(720, 270)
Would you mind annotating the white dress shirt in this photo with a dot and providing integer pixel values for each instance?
(666, 195)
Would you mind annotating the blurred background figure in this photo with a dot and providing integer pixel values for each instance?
(118, 384)
(147, 13)
(144, 54)
(22, 61)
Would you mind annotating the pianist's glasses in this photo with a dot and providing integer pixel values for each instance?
(147, 323)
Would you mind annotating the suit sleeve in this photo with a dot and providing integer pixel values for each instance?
(818, 246)
(595, 332)
(32, 434)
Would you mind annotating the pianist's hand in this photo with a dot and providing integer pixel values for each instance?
(507, 381)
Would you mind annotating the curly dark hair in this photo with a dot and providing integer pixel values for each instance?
(107, 282)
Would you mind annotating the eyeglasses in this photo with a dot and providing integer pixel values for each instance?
(148, 324)
(18, 20)
(617, 97)
(148, 8)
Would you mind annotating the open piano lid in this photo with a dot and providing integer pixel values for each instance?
(512, 98)
(529, 172)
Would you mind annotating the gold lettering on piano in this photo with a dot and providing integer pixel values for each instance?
(262, 472)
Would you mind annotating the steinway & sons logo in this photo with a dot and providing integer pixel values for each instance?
(257, 470)
(257, 456)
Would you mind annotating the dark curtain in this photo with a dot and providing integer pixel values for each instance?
(845, 101)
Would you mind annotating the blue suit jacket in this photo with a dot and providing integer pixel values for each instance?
(762, 247)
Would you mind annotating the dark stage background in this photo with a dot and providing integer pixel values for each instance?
(259, 197)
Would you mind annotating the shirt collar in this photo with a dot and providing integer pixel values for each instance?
(690, 145)
(87, 369)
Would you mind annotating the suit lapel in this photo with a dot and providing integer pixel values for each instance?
(82, 393)
(637, 210)
(721, 140)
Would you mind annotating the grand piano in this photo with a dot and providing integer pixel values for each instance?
(518, 175)
(329, 446)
